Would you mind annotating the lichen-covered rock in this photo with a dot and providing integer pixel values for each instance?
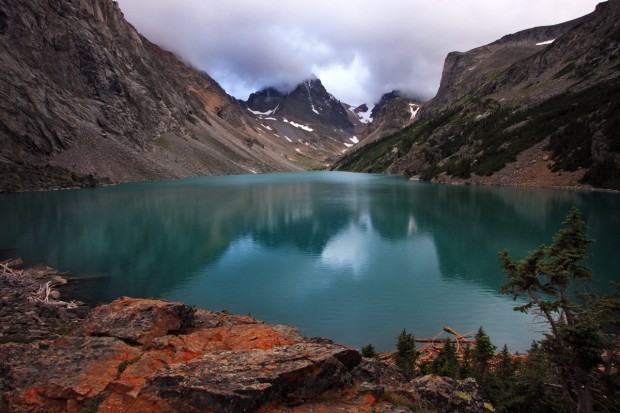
(146, 355)
(138, 320)
(447, 395)
(60, 376)
(378, 372)
(234, 381)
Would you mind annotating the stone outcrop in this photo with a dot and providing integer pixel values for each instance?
(135, 355)
(392, 113)
(449, 395)
(138, 321)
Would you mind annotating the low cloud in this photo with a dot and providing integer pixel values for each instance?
(360, 49)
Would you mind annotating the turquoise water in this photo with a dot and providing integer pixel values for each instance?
(353, 257)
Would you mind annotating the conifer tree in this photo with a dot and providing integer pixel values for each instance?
(446, 363)
(501, 383)
(483, 353)
(369, 351)
(466, 365)
(406, 353)
(553, 281)
(534, 390)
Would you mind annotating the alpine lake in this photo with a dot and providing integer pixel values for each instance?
(353, 257)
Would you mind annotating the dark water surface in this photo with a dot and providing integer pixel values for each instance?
(353, 257)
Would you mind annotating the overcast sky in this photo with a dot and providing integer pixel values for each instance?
(360, 49)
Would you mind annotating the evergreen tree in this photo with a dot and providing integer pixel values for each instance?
(552, 280)
(406, 353)
(369, 351)
(535, 388)
(446, 363)
(483, 353)
(466, 366)
(504, 366)
(500, 384)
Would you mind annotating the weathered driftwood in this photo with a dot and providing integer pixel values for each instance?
(443, 340)
(432, 346)
(33, 292)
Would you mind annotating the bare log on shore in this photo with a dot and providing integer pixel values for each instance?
(432, 346)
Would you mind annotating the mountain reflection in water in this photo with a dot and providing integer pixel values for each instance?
(353, 257)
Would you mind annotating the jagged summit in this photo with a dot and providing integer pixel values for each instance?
(265, 101)
(385, 98)
(309, 115)
(305, 101)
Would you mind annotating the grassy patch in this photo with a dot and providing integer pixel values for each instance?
(399, 399)
(162, 142)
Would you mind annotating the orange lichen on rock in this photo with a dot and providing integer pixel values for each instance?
(161, 357)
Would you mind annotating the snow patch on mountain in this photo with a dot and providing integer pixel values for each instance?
(354, 139)
(298, 125)
(414, 109)
(314, 110)
(545, 42)
(364, 117)
(269, 112)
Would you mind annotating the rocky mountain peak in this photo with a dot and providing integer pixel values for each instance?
(313, 91)
(385, 98)
(265, 100)
(308, 102)
(361, 108)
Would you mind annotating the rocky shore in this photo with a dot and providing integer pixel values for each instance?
(149, 355)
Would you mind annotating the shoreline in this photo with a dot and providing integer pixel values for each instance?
(159, 356)
(451, 181)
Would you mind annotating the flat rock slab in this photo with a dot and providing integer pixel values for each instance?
(234, 381)
(138, 321)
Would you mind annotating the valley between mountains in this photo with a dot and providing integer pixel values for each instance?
(88, 101)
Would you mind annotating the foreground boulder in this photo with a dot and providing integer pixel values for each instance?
(449, 395)
(145, 355)
(138, 321)
(136, 355)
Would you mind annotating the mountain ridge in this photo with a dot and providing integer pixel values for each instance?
(547, 116)
(87, 100)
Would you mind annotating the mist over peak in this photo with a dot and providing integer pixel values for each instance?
(359, 49)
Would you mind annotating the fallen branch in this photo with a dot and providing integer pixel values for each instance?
(443, 340)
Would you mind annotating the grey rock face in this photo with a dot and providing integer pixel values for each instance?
(87, 100)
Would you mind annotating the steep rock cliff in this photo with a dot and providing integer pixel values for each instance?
(86, 100)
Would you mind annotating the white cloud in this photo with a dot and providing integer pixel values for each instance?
(359, 48)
